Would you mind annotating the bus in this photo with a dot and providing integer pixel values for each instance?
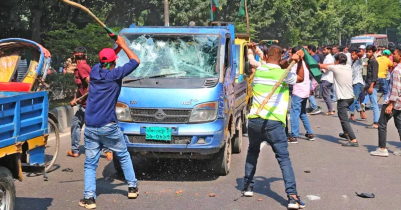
(379, 40)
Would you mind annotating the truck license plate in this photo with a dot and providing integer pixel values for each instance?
(158, 133)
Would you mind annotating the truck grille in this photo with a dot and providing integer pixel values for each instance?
(140, 139)
(160, 115)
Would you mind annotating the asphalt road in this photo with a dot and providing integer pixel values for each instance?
(336, 173)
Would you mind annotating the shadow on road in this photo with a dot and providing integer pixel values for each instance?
(22, 203)
(166, 170)
(329, 138)
(262, 186)
(370, 148)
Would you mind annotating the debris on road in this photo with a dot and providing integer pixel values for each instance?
(67, 170)
(178, 192)
(260, 199)
(212, 195)
(307, 171)
(365, 195)
(313, 197)
(317, 126)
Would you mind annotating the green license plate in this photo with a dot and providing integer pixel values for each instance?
(158, 133)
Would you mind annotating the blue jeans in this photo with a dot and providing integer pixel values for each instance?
(298, 110)
(374, 106)
(76, 128)
(260, 130)
(357, 91)
(312, 102)
(334, 96)
(383, 85)
(112, 137)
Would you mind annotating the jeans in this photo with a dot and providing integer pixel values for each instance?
(373, 101)
(76, 127)
(77, 123)
(383, 86)
(357, 91)
(312, 102)
(298, 110)
(326, 89)
(112, 137)
(342, 108)
(334, 96)
(384, 118)
(260, 130)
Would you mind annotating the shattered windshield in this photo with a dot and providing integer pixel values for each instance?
(173, 55)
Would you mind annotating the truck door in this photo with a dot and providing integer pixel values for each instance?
(240, 85)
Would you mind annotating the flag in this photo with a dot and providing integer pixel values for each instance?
(214, 7)
(241, 12)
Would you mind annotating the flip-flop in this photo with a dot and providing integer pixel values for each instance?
(71, 154)
(371, 127)
(327, 114)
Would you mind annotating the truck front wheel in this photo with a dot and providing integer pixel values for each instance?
(7, 189)
(237, 140)
(222, 161)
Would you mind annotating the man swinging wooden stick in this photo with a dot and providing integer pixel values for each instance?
(267, 117)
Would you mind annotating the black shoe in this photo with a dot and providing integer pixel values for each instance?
(133, 192)
(292, 140)
(295, 203)
(344, 136)
(88, 203)
(247, 191)
(351, 144)
(310, 137)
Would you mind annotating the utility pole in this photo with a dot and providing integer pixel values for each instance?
(166, 13)
(247, 17)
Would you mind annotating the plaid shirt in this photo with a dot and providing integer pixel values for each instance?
(395, 88)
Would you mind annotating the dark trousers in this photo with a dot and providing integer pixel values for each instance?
(260, 130)
(326, 91)
(342, 108)
(383, 120)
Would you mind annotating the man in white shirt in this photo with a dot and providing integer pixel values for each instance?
(327, 81)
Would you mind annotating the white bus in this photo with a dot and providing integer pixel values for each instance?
(379, 40)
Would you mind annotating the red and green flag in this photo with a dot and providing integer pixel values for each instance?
(242, 11)
(214, 7)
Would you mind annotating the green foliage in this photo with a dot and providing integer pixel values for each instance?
(292, 22)
(62, 41)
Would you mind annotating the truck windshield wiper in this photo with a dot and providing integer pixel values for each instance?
(151, 77)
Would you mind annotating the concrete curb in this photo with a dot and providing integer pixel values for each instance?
(64, 115)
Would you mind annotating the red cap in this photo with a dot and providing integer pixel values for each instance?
(107, 55)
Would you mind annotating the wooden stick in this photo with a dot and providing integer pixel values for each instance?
(82, 97)
(74, 4)
(276, 86)
(79, 6)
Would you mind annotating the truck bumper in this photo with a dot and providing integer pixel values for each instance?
(187, 139)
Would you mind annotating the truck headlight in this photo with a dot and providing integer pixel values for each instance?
(123, 112)
(204, 112)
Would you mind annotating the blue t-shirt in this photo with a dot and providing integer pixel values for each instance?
(316, 57)
(104, 89)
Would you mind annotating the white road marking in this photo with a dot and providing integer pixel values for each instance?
(262, 145)
(61, 136)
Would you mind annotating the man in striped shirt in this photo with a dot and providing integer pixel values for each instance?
(269, 124)
(391, 108)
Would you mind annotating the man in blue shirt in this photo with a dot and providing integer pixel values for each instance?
(102, 129)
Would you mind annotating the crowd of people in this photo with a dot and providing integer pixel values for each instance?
(351, 78)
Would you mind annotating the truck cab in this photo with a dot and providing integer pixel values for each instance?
(184, 100)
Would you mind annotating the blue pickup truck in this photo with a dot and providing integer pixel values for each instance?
(185, 100)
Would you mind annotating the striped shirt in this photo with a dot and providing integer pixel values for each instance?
(395, 88)
(266, 76)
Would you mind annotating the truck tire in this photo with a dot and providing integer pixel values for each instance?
(245, 121)
(7, 189)
(117, 164)
(237, 140)
(222, 161)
